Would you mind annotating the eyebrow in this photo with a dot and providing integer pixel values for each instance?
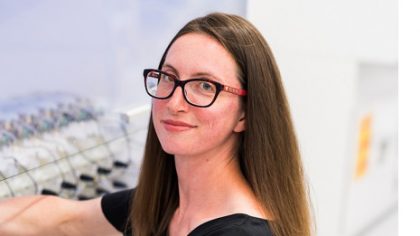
(195, 74)
(170, 67)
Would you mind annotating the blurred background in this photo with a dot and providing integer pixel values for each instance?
(73, 110)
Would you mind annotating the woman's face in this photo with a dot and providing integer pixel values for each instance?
(185, 130)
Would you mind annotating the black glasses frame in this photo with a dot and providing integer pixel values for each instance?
(177, 82)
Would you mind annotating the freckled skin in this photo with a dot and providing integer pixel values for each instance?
(216, 127)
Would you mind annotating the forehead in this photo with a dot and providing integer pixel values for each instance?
(196, 53)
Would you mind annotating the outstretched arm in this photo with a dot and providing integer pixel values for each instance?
(50, 215)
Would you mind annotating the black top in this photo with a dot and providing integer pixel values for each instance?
(116, 207)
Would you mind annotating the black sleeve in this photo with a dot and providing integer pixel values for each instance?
(233, 225)
(242, 231)
(116, 208)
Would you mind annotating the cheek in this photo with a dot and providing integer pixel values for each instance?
(219, 121)
(157, 111)
(157, 107)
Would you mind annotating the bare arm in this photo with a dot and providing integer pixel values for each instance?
(49, 215)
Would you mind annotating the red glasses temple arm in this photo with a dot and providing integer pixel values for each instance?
(240, 92)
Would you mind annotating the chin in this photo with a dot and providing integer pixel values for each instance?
(171, 149)
(176, 150)
(168, 151)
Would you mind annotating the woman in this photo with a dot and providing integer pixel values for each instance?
(221, 156)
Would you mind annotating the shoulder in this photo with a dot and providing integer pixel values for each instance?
(116, 208)
(234, 225)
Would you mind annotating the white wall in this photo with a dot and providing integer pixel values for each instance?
(92, 48)
(320, 47)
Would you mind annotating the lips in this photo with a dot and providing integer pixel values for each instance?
(174, 125)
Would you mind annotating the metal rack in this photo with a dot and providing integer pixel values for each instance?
(60, 144)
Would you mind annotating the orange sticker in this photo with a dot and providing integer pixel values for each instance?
(365, 137)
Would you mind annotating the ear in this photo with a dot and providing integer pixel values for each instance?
(240, 126)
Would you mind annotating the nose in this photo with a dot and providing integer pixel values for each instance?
(177, 102)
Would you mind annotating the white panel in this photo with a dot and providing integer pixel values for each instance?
(319, 46)
(373, 161)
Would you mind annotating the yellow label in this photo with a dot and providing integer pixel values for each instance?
(365, 136)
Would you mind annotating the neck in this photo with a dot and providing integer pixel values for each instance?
(210, 185)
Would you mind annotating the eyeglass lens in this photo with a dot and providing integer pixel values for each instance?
(199, 92)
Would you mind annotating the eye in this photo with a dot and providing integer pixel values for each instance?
(207, 86)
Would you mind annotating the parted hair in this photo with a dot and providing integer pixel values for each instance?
(268, 151)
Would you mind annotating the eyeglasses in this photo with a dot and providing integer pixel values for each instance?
(197, 92)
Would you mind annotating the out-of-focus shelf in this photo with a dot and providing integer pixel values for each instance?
(80, 158)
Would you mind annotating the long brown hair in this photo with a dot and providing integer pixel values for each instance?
(268, 151)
